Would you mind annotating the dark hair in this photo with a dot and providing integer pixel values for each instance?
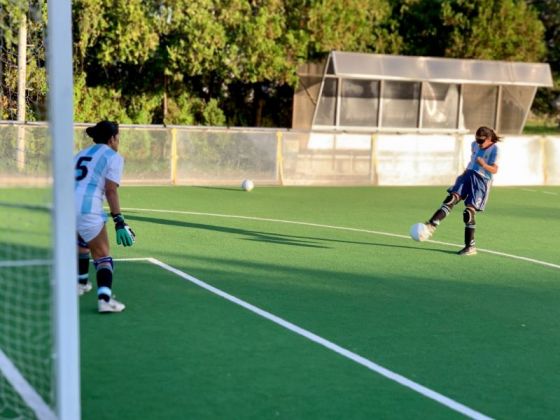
(103, 131)
(487, 132)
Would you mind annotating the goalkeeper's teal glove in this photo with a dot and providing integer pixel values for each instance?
(125, 235)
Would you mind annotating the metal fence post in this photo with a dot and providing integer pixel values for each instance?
(279, 157)
(174, 156)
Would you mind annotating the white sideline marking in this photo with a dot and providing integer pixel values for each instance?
(393, 235)
(24, 263)
(24, 389)
(538, 191)
(436, 396)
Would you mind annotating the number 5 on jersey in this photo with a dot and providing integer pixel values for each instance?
(81, 168)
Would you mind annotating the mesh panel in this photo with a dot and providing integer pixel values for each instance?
(326, 108)
(147, 153)
(24, 155)
(418, 160)
(26, 324)
(439, 106)
(219, 157)
(479, 106)
(203, 156)
(516, 100)
(326, 159)
(400, 104)
(359, 103)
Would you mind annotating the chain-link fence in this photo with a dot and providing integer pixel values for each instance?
(157, 155)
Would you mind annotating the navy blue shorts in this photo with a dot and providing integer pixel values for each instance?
(81, 243)
(472, 188)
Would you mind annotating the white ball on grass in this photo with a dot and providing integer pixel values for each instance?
(247, 185)
(419, 232)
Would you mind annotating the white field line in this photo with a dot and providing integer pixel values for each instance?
(538, 191)
(46, 263)
(25, 263)
(414, 386)
(374, 232)
(24, 389)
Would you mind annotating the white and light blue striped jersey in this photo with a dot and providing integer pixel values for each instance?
(490, 155)
(93, 166)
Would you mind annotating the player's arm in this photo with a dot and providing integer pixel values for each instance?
(112, 196)
(125, 235)
(490, 168)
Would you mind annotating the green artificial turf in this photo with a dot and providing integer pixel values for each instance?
(481, 330)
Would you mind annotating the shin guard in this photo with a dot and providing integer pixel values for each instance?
(470, 225)
(83, 267)
(104, 267)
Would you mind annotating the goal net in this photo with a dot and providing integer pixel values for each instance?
(26, 321)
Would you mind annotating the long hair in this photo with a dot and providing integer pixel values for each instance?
(488, 132)
(103, 131)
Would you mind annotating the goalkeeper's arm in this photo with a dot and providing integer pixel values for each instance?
(125, 235)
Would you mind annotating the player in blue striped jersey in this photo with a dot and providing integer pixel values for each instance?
(473, 186)
(98, 171)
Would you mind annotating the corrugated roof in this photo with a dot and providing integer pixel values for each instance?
(436, 69)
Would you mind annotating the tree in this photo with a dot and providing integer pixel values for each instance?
(36, 83)
(240, 56)
(481, 29)
(494, 30)
(234, 61)
(421, 28)
(351, 25)
(546, 100)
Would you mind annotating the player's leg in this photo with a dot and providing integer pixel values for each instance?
(103, 263)
(84, 285)
(455, 195)
(477, 191)
(470, 225)
(445, 208)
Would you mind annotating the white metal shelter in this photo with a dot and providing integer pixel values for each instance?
(375, 92)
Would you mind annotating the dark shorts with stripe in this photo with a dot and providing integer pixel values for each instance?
(472, 188)
(81, 243)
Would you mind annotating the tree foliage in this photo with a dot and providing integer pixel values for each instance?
(483, 29)
(494, 30)
(11, 13)
(233, 62)
(547, 100)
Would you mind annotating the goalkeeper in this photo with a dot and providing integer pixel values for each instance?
(98, 171)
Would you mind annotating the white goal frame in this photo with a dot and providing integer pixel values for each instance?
(66, 325)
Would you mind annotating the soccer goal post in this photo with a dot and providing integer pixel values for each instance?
(59, 70)
(39, 334)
